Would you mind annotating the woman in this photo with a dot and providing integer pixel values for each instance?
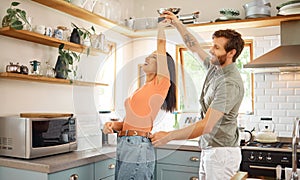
(135, 153)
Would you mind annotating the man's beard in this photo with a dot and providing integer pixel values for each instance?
(219, 60)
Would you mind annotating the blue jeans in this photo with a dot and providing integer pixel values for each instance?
(135, 158)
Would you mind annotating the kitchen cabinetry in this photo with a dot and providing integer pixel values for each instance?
(102, 170)
(85, 172)
(73, 10)
(105, 170)
(177, 165)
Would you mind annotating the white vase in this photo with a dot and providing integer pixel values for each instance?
(86, 42)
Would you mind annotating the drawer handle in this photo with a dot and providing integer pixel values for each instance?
(111, 166)
(74, 177)
(194, 178)
(195, 159)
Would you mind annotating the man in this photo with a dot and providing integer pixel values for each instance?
(220, 100)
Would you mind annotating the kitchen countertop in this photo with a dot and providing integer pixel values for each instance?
(55, 163)
(51, 164)
(184, 145)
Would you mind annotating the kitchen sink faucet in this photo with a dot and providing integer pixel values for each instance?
(294, 175)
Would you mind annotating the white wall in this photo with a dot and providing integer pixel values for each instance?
(23, 96)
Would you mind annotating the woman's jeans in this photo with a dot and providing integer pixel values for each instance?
(135, 158)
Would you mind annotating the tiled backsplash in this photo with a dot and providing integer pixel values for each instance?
(275, 95)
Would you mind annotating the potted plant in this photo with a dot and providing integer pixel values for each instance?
(15, 18)
(65, 63)
(84, 33)
(86, 36)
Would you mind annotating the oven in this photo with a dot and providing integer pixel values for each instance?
(261, 160)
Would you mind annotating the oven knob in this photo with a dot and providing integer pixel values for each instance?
(252, 157)
(269, 158)
(260, 156)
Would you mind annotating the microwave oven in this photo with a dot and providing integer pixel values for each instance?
(35, 135)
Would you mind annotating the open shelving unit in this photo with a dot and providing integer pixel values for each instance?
(40, 39)
(45, 40)
(84, 14)
(44, 79)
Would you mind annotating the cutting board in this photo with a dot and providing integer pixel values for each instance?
(45, 115)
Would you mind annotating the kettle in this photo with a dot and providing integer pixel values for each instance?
(246, 136)
(266, 132)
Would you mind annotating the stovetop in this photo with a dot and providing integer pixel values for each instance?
(278, 146)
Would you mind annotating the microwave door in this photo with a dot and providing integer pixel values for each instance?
(53, 132)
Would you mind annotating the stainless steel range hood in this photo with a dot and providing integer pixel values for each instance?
(286, 57)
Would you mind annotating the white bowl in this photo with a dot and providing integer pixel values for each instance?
(173, 10)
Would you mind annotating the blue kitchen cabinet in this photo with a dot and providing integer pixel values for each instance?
(102, 170)
(177, 164)
(105, 170)
(7, 173)
(85, 172)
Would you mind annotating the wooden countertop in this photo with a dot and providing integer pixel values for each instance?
(55, 163)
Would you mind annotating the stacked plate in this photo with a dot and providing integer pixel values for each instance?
(289, 9)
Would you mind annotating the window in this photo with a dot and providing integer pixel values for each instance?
(191, 75)
(105, 95)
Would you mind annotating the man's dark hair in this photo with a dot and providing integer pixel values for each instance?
(235, 41)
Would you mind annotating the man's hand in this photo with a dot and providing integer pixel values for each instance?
(160, 138)
(108, 128)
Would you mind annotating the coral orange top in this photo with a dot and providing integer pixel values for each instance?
(142, 107)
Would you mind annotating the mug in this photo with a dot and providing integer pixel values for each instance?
(58, 33)
(40, 29)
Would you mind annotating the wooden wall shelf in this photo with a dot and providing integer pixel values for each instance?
(40, 39)
(46, 40)
(44, 79)
(84, 14)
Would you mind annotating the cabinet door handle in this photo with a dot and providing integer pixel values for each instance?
(195, 159)
(74, 177)
(194, 178)
(111, 166)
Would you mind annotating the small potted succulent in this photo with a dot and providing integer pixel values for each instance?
(65, 63)
(15, 18)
